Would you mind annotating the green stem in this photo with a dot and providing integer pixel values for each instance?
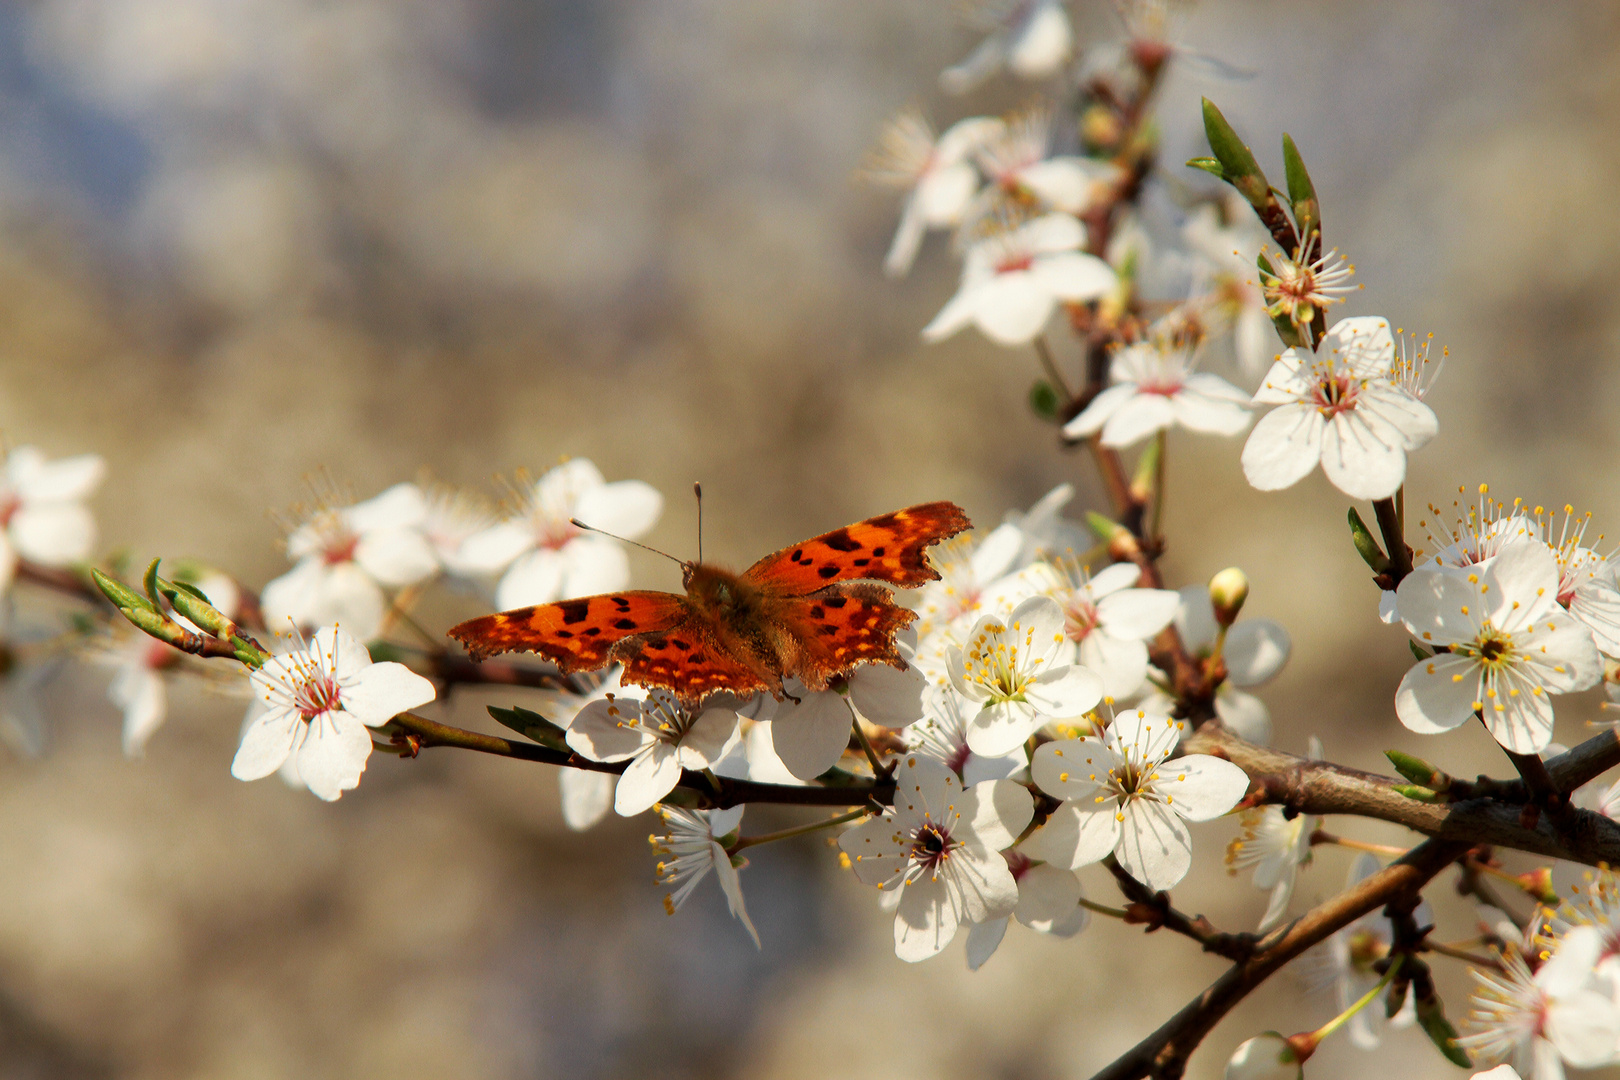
(1044, 351)
(797, 830)
(1158, 484)
(1104, 909)
(878, 769)
(1366, 999)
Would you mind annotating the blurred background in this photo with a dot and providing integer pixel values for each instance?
(243, 241)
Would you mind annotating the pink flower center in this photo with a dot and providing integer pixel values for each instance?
(319, 693)
(1014, 263)
(1018, 863)
(1162, 385)
(1335, 394)
(931, 846)
(340, 548)
(9, 505)
(1080, 619)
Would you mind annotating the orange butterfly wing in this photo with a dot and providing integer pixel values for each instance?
(837, 627)
(890, 547)
(690, 663)
(576, 635)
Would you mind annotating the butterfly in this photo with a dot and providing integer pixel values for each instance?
(810, 611)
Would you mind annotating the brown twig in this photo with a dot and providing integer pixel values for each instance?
(720, 793)
(1163, 1054)
(1153, 909)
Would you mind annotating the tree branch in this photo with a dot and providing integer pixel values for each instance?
(1316, 787)
(417, 733)
(1164, 1053)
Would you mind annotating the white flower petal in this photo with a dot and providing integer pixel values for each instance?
(1074, 276)
(606, 730)
(53, 533)
(811, 736)
(1135, 613)
(1092, 418)
(1154, 846)
(70, 479)
(333, 754)
(1200, 787)
(1437, 694)
(396, 557)
(996, 812)
(1256, 649)
(1363, 457)
(535, 578)
(494, 549)
(268, 737)
(888, 696)
(626, 508)
(1137, 418)
(587, 796)
(1047, 896)
(926, 921)
(592, 564)
(650, 776)
(1076, 835)
(983, 939)
(1284, 446)
(400, 507)
(381, 692)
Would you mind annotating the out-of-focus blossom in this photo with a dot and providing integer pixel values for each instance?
(546, 557)
(1030, 38)
(1155, 387)
(42, 513)
(1233, 298)
(939, 846)
(1344, 964)
(942, 735)
(1025, 180)
(1013, 281)
(345, 557)
(936, 174)
(1255, 650)
(453, 515)
(318, 702)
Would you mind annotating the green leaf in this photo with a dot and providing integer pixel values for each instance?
(1417, 650)
(1043, 399)
(1285, 326)
(531, 725)
(151, 583)
(1301, 192)
(121, 595)
(1103, 527)
(1432, 1015)
(187, 587)
(1417, 794)
(1414, 769)
(1209, 165)
(1366, 546)
(1238, 166)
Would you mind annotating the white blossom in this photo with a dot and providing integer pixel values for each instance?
(1233, 297)
(1344, 963)
(1048, 903)
(694, 846)
(1511, 646)
(317, 702)
(1254, 652)
(137, 686)
(451, 515)
(1032, 40)
(1267, 1056)
(1276, 847)
(586, 795)
(939, 847)
(42, 513)
(1012, 281)
(1024, 178)
(658, 736)
(1123, 796)
(346, 555)
(936, 175)
(810, 728)
(942, 735)
(1338, 406)
(1156, 387)
(1108, 622)
(1010, 669)
(1587, 585)
(544, 556)
(1545, 1018)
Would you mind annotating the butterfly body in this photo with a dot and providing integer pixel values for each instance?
(803, 611)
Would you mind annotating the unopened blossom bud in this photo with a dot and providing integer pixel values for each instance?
(1270, 1056)
(1227, 592)
(1100, 128)
(1538, 883)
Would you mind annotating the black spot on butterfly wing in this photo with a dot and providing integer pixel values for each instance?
(840, 540)
(574, 611)
(828, 571)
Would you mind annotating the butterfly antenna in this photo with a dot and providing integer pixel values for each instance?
(578, 524)
(697, 489)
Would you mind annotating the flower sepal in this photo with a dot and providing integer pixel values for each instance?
(531, 725)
